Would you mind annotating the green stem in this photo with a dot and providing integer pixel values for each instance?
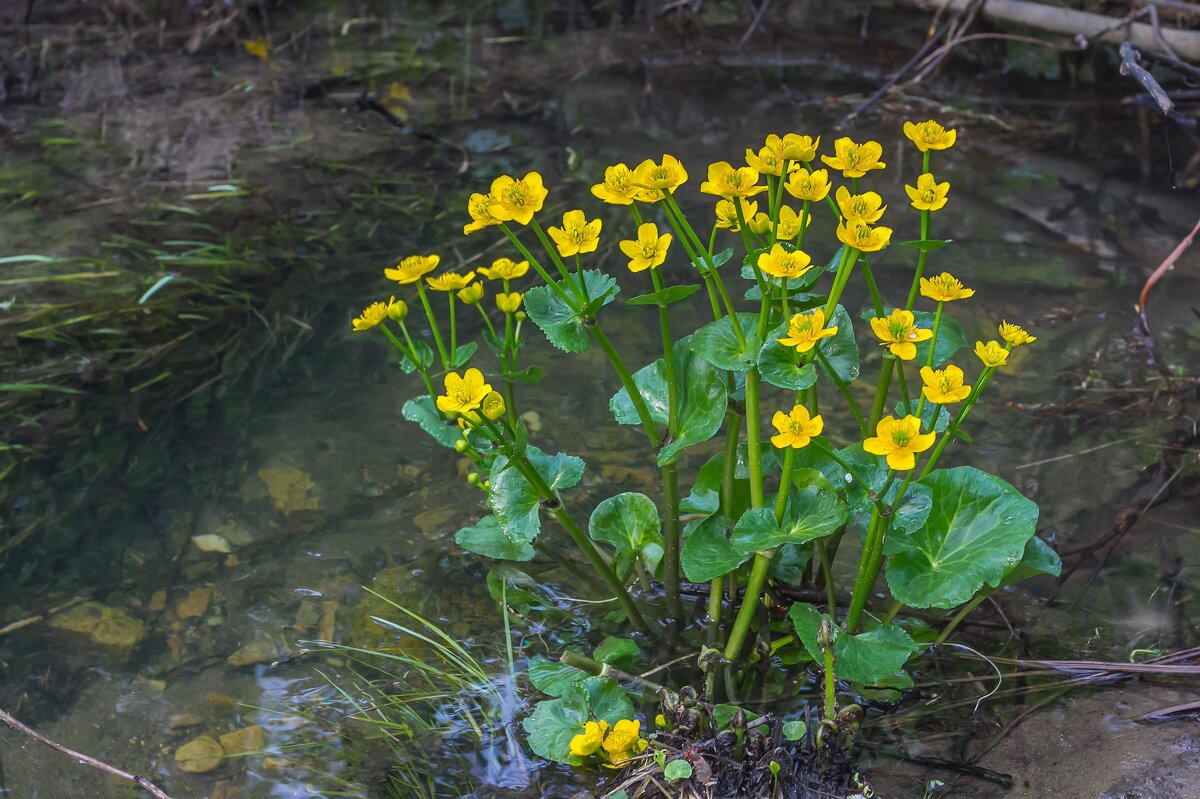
(962, 613)
(437, 336)
(704, 265)
(410, 352)
(822, 552)
(849, 256)
(937, 324)
(581, 540)
(984, 379)
(453, 329)
(551, 250)
(491, 328)
(881, 391)
(554, 285)
(670, 478)
(921, 258)
(745, 617)
(830, 685)
(866, 576)
(789, 457)
(754, 438)
(842, 387)
(872, 288)
(639, 404)
(664, 324)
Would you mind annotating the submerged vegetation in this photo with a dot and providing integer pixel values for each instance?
(948, 537)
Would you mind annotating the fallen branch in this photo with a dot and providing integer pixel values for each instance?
(1131, 68)
(143, 782)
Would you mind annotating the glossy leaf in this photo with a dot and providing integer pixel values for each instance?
(554, 722)
(840, 349)
(424, 353)
(862, 658)
(707, 551)
(552, 677)
(717, 343)
(1038, 558)
(779, 365)
(630, 523)
(813, 512)
(706, 491)
(488, 539)
(701, 394)
(562, 325)
(949, 341)
(462, 356)
(422, 411)
(514, 502)
(620, 652)
(719, 259)
(926, 246)
(975, 535)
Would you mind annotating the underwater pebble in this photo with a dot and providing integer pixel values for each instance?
(260, 650)
(179, 721)
(104, 626)
(211, 542)
(199, 756)
(247, 739)
(158, 601)
(195, 604)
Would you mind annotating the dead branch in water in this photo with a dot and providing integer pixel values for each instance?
(143, 782)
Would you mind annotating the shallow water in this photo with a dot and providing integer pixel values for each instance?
(324, 488)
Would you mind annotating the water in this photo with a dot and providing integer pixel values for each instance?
(302, 461)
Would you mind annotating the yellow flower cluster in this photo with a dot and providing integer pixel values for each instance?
(468, 396)
(376, 312)
(618, 744)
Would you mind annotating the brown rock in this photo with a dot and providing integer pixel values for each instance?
(104, 626)
(199, 756)
(327, 627)
(195, 604)
(225, 789)
(158, 601)
(247, 740)
(179, 721)
(259, 650)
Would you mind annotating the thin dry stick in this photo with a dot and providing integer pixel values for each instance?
(142, 782)
(1167, 264)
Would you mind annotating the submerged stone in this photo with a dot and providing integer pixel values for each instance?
(195, 604)
(199, 756)
(244, 741)
(260, 650)
(211, 542)
(107, 627)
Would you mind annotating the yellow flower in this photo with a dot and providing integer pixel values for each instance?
(929, 135)
(258, 47)
(727, 213)
(397, 310)
(944, 386)
(624, 741)
(450, 281)
(944, 288)
(725, 180)
(861, 236)
(760, 224)
(867, 207)
(618, 187)
(781, 262)
(472, 293)
(992, 354)
(1015, 335)
(509, 303)
(855, 160)
(812, 186)
(794, 147)
(493, 405)
(463, 393)
(648, 250)
(412, 268)
(659, 178)
(928, 194)
(899, 333)
(806, 329)
(518, 200)
(371, 316)
(768, 161)
(899, 440)
(789, 223)
(482, 208)
(505, 269)
(577, 235)
(796, 429)
(588, 742)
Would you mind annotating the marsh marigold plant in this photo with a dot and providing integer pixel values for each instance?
(781, 425)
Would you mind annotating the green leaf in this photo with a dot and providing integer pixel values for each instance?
(706, 491)
(516, 588)
(563, 326)
(707, 551)
(840, 349)
(779, 365)
(678, 770)
(789, 562)
(619, 652)
(665, 297)
(943, 416)
(554, 722)
(862, 658)
(949, 341)
(812, 513)
(975, 534)
(795, 730)
(488, 539)
(701, 395)
(913, 512)
(422, 411)
(552, 677)
(513, 500)
(719, 259)
(1038, 558)
(723, 714)
(630, 523)
(424, 352)
(717, 343)
(530, 374)
(607, 700)
(927, 246)
(463, 355)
